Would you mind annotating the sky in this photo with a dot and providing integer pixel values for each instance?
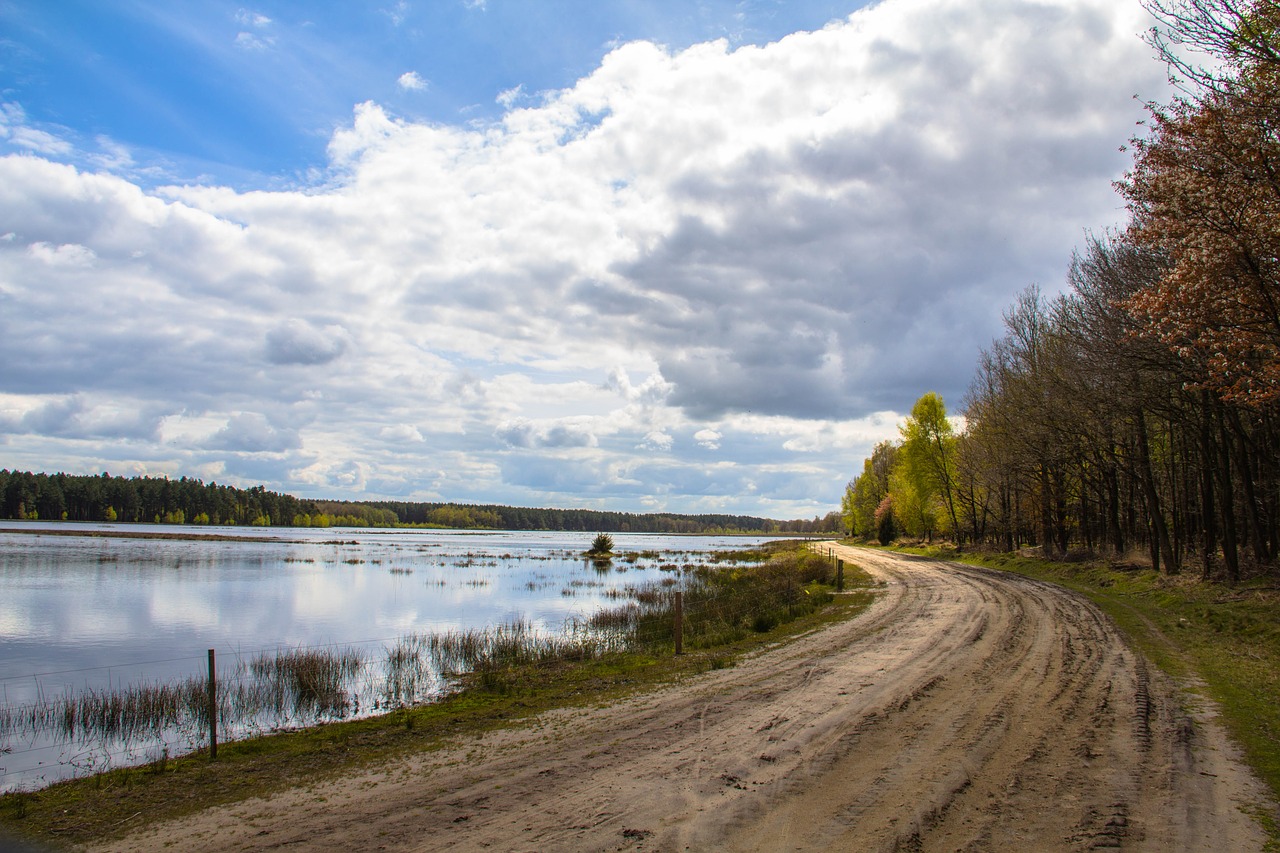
(661, 256)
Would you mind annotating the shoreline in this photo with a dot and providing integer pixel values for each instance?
(149, 534)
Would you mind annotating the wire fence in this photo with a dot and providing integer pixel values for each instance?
(269, 689)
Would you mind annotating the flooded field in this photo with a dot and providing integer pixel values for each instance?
(104, 640)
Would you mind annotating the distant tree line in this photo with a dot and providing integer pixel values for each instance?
(150, 499)
(1140, 409)
(586, 520)
(24, 495)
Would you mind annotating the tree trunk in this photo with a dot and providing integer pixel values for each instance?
(1046, 513)
(1160, 547)
(1258, 533)
(1230, 554)
(1208, 513)
(1113, 509)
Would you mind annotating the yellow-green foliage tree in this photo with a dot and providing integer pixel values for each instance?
(1139, 411)
(864, 495)
(463, 517)
(915, 511)
(928, 458)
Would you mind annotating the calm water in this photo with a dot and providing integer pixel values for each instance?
(89, 613)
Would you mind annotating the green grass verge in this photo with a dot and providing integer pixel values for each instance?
(120, 801)
(1227, 638)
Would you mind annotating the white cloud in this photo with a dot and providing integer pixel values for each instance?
(411, 81)
(401, 433)
(39, 141)
(783, 245)
(66, 255)
(252, 432)
(112, 156)
(657, 440)
(298, 342)
(247, 18)
(708, 438)
(508, 97)
(77, 417)
(524, 433)
(652, 391)
(251, 41)
(15, 129)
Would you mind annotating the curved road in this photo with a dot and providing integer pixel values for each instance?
(967, 710)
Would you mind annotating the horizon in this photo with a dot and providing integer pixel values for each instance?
(374, 501)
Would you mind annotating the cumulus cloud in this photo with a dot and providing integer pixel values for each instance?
(66, 255)
(768, 249)
(252, 432)
(524, 433)
(299, 342)
(708, 438)
(412, 81)
(653, 390)
(401, 433)
(77, 416)
(657, 440)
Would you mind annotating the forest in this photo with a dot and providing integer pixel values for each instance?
(158, 500)
(526, 518)
(1138, 411)
(67, 497)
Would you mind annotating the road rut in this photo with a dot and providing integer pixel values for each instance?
(966, 710)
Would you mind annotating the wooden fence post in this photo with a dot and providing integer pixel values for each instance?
(213, 709)
(679, 622)
(839, 575)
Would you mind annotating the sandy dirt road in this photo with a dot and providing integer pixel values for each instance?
(966, 710)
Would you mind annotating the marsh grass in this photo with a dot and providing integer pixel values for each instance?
(290, 688)
(108, 804)
(517, 644)
(270, 690)
(298, 683)
(757, 592)
(124, 714)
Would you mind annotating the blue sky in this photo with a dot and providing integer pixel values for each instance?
(636, 256)
(249, 95)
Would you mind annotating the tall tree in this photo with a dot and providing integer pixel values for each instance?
(929, 451)
(871, 487)
(1205, 193)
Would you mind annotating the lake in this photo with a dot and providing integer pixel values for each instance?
(85, 613)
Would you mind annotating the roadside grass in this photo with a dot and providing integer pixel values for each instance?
(118, 801)
(1227, 639)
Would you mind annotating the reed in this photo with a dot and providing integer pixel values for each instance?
(125, 714)
(303, 682)
(408, 675)
(723, 603)
(755, 592)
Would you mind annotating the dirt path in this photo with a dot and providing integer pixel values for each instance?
(966, 710)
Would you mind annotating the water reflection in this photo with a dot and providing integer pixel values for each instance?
(82, 613)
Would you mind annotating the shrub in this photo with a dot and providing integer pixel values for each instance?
(601, 546)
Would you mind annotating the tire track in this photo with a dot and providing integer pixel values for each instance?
(965, 710)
